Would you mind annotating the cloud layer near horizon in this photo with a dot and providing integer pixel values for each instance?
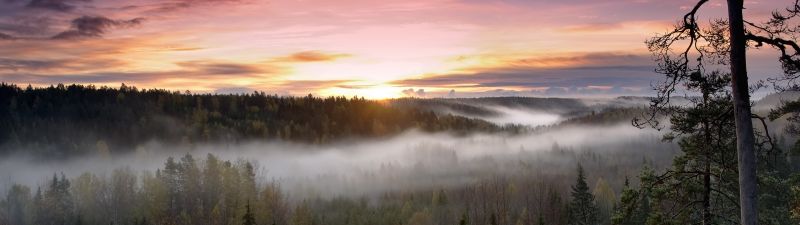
(344, 47)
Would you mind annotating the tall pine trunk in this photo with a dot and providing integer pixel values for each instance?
(745, 139)
(707, 148)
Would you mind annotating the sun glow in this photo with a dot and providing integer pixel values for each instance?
(379, 91)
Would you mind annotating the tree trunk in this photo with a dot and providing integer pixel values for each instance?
(707, 193)
(745, 140)
(707, 150)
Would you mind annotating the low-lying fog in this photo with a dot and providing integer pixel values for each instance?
(408, 161)
(522, 116)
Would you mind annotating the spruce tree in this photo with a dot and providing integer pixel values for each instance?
(464, 219)
(632, 208)
(248, 218)
(541, 219)
(582, 207)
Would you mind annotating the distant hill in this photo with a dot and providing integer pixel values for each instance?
(61, 120)
(64, 120)
(774, 100)
(486, 106)
(491, 108)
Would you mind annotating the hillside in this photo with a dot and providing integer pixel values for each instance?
(63, 120)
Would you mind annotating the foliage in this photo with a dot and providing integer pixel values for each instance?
(248, 218)
(702, 184)
(61, 121)
(583, 209)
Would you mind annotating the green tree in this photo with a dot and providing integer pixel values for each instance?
(17, 204)
(541, 219)
(248, 218)
(582, 207)
(422, 217)
(464, 220)
(724, 43)
(302, 215)
(633, 208)
(154, 198)
(605, 198)
(702, 183)
(523, 217)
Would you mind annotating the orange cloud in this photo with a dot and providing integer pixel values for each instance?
(312, 56)
(342, 46)
(617, 27)
(598, 27)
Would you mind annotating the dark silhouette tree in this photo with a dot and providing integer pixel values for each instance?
(64, 121)
(701, 186)
(702, 182)
(631, 209)
(464, 219)
(541, 219)
(582, 207)
(724, 42)
(248, 218)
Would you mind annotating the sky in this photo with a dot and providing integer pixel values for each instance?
(369, 48)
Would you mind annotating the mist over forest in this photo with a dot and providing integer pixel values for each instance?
(503, 160)
(509, 130)
(399, 112)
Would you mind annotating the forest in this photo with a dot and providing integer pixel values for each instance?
(713, 142)
(66, 120)
(476, 172)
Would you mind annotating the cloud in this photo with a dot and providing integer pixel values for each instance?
(223, 68)
(56, 5)
(412, 93)
(6, 37)
(203, 74)
(198, 78)
(312, 56)
(596, 27)
(581, 70)
(617, 26)
(41, 79)
(32, 19)
(533, 77)
(594, 59)
(305, 85)
(69, 65)
(168, 7)
(94, 26)
(16, 64)
(28, 25)
(570, 91)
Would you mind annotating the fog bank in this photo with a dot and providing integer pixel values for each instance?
(412, 160)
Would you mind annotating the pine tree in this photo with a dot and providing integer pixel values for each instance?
(541, 219)
(143, 221)
(631, 209)
(582, 208)
(605, 198)
(248, 218)
(701, 185)
(523, 216)
(302, 215)
(464, 219)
